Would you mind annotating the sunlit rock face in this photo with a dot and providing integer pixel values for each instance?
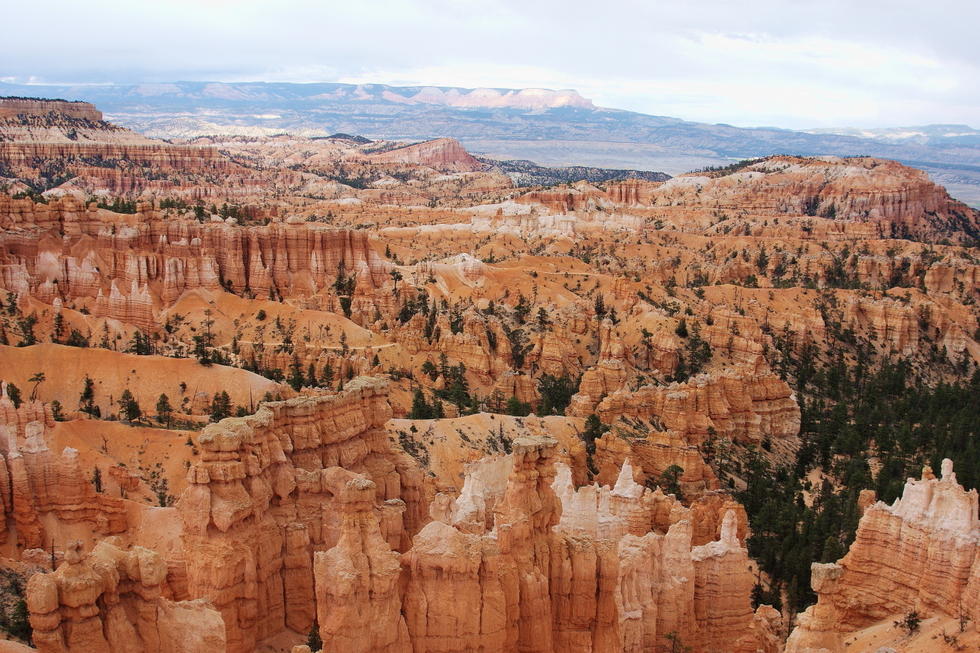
(922, 552)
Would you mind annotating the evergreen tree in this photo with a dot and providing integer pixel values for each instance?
(129, 408)
(13, 393)
(296, 378)
(220, 406)
(164, 410)
(671, 480)
(328, 374)
(517, 407)
(556, 394)
(313, 639)
(420, 407)
(86, 400)
(59, 328)
(76, 339)
(681, 328)
(37, 379)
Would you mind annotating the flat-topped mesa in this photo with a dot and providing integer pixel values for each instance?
(111, 600)
(13, 107)
(922, 552)
(836, 198)
(270, 489)
(92, 155)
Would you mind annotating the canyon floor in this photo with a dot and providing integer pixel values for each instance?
(263, 393)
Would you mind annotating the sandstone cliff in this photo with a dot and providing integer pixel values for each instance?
(921, 553)
(273, 488)
(110, 600)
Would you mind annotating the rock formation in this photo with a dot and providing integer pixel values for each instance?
(111, 600)
(656, 331)
(272, 488)
(602, 579)
(442, 154)
(920, 553)
(39, 487)
(745, 410)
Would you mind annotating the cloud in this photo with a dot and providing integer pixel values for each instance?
(799, 64)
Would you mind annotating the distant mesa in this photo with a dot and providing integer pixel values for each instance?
(441, 153)
(12, 107)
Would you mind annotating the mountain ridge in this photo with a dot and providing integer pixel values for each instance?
(552, 128)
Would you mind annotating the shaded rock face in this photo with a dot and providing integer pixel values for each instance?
(111, 601)
(274, 488)
(921, 553)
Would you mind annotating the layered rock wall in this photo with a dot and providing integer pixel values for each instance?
(110, 601)
(135, 268)
(585, 570)
(729, 404)
(271, 490)
(921, 553)
(36, 486)
(15, 107)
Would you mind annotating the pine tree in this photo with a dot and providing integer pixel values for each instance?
(517, 407)
(313, 640)
(420, 407)
(129, 408)
(13, 392)
(328, 375)
(671, 480)
(296, 378)
(164, 410)
(86, 400)
(220, 406)
(37, 379)
(59, 327)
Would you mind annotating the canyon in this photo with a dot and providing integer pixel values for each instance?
(261, 394)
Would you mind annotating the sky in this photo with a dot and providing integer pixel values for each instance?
(785, 63)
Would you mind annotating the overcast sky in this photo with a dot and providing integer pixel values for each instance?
(789, 63)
